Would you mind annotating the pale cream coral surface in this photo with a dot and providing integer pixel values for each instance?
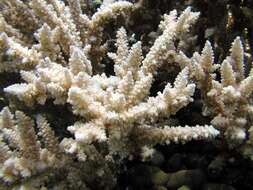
(113, 110)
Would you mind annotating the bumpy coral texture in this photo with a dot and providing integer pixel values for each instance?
(60, 61)
(228, 100)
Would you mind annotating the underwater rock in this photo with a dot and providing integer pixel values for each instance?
(216, 167)
(191, 178)
(184, 187)
(174, 163)
(157, 159)
(215, 186)
(160, 188)
(195, 161)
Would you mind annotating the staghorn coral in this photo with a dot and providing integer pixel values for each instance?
(118, 104)
(31, 161)
(226, 100)
(21, 153)
(231, 96)
(116, 114)
(58, 28)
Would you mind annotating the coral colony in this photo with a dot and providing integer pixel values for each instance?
(57, 50)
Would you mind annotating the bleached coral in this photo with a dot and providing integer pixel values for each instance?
(29, 160)
(231, 95)
(21, 153)
(120, 100)
(58, 28)
(114, 111)
(228, 100)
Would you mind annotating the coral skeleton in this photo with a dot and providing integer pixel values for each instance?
(226, 100)
(119, 101)
(231, 95)
(62, 61)
(21, 153)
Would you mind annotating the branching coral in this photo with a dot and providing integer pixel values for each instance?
(228, 100)
(21, 153)
(116, 111)
(32, 161)
(231, 96)
(58, 28)
(119, 101)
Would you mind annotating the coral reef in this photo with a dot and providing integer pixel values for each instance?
(123, 94)
(227, 100)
